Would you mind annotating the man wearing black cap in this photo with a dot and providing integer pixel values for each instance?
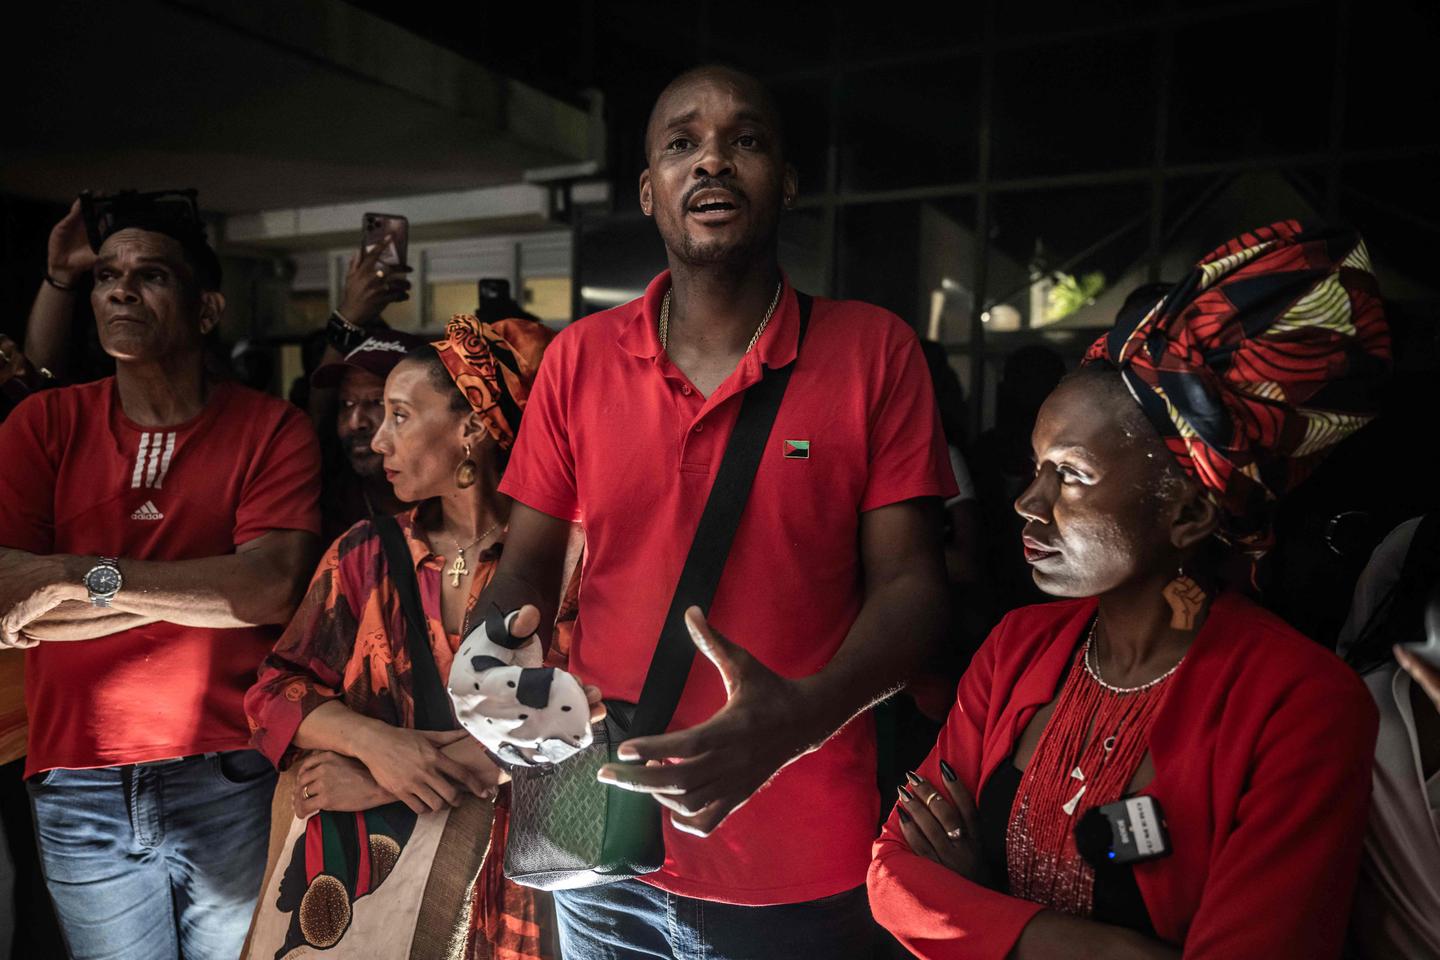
(357, 489)
(162, 525)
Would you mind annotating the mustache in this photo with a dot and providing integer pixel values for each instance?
(712, 183)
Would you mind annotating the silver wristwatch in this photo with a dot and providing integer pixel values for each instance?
(103, 581)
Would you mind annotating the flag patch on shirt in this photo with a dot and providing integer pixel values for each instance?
(148, 511)
(797, 449)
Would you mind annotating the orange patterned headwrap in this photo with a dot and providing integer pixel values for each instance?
(494, 365)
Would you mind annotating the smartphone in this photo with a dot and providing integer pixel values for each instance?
(107, 212)
(375, 227)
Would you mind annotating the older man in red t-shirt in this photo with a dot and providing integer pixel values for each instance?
(833, 589)
(154, 526)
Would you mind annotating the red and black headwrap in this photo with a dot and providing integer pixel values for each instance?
(1257, 364)
(494, 365)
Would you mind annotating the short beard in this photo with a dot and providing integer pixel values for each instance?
(368, 465)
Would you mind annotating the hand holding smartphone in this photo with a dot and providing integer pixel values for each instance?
(375, 228)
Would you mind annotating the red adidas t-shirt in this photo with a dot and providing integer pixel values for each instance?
(616, 436)
(81, 478)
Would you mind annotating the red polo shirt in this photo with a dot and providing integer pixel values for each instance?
(615, 436)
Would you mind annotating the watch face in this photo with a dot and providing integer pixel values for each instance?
(103, 581)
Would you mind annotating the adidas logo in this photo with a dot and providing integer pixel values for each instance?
(147, 512)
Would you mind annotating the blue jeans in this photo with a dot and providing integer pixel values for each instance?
(156, 860)
(629, 919)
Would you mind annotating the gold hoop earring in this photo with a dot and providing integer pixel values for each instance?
(468, 470)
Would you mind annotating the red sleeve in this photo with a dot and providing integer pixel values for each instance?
(282, 489)
(307, 666)
(27, 484)
(1280, 885)
(935, 913)
(541, 471)
(908, 455)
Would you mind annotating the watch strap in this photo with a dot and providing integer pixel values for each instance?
(342, 334)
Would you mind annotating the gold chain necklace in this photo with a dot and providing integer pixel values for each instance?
(665, 319)
(458, 568)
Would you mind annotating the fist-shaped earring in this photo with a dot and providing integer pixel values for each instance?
(1186, 599)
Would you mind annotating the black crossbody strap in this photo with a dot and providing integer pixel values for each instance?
(675, 652)
(432, 704)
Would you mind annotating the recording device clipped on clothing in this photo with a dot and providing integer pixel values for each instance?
(375, 227)
(521, 712)
(1127, 831)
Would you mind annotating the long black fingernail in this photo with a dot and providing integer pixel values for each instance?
(905, 794)
(914, 778)
(904, 817)
(946, 771)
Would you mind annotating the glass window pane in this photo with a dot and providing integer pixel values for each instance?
(914, 258)
(1027, 19)
(618, 256)
(802, 249)
(805, 108)
(405, 315)
(911, 125)
(1065, 258)
(1389, 106)
(1065, 107)
(1216, 115)
(448, 299)
(548, 298)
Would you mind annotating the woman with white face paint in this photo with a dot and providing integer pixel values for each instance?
(1156, 766)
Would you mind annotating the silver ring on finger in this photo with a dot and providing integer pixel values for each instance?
(955, 833)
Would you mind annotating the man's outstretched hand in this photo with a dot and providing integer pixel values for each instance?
(707, 772)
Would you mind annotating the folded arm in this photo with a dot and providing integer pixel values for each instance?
(43, 596)
(941, 914)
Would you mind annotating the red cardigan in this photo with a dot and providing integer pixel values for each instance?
(1262, 757)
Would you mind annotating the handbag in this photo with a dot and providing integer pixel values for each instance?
(567, 829)
(385, 882)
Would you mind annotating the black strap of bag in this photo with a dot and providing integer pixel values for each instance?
(432, 704)
(675, 652)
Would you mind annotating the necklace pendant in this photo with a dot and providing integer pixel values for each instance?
(458, 570)
(1069, 808)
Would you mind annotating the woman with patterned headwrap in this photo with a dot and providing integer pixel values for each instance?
(1164, 453)
(337, 694)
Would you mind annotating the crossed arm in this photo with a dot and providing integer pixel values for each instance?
(42, 596)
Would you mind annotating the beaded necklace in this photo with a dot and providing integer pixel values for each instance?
(1087, 754)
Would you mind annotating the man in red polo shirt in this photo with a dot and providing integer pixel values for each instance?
(834, 587)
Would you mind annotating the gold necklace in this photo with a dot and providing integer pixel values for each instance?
(665, 319)
(458, 568)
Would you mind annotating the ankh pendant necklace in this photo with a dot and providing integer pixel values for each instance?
(458, 568)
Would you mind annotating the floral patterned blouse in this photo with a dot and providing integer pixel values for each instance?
(347, 642)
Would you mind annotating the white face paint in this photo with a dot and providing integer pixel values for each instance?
(518, 710)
